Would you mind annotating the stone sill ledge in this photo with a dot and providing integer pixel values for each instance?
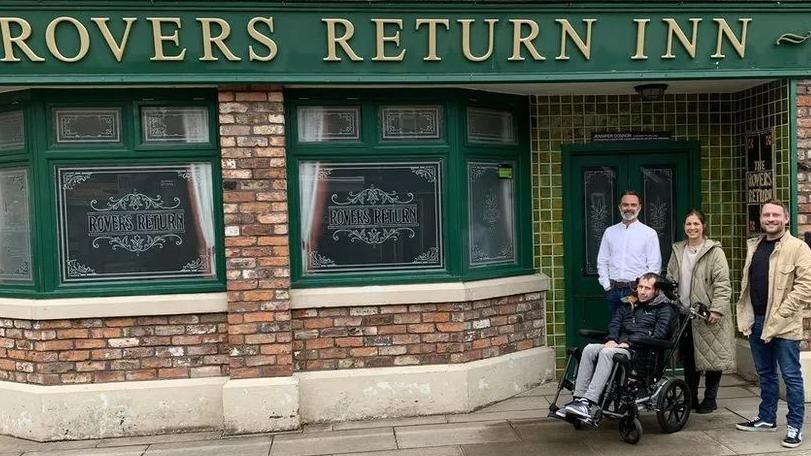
(427, 293)
(113, 306)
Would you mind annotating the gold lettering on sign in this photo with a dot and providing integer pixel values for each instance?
(10, 41)
(53, 46)
(526, 41)
(332, 40)
(674, 29)
(725, 31)
(158, 38)
(640, 39)
(491, 24)
(382, 39)
(117, 48)
(219, 40)
(568, 32)
(263, 39)
(432, 23)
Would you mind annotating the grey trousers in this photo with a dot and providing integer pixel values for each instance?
(595, 367)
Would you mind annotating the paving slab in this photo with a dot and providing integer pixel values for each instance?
(730, 392)
(257, 446)
(750, 442)
(719, 419)
(428, 451)
(657, 443)
(528, 448)
(333, 442)
(319, 427)
(16, 453)
(517, 403)
(453, 434)
(162, 438)
(508, 415)
(391, 422)
(122, 451)
(733, 380)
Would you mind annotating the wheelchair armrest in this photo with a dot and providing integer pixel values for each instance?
(594, 334)
(650, 342)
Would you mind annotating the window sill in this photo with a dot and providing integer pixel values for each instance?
(381, 295)
(113, 306)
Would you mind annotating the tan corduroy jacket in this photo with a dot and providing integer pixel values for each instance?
(710, 286)
(789, 290)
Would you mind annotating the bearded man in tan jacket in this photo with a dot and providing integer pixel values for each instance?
(775, 288)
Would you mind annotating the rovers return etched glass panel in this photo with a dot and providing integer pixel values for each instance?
(371, 217)
(15, 232)
(411, 123)
(135, 222)
(491, 212)
(328, 123)
(87, 125)
(187, 125)
(490, 126)
(12, 131)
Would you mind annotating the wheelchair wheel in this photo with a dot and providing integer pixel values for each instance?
(630, 430)
(673, 406)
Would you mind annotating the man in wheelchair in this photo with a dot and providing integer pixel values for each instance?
(645, 313)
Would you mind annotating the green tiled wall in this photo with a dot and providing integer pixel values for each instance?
(718, 121)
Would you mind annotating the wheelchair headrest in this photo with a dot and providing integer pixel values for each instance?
(670, 288)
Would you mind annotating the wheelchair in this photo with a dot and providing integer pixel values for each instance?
(639, 383)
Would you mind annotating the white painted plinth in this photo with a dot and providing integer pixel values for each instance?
(261, 405)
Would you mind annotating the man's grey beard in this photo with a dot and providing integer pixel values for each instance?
(629, 215)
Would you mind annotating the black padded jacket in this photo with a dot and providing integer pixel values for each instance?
(652, 319)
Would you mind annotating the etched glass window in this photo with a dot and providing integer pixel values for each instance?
(135, 222)
(491, 212)
(87, 125)
(599, 187)
(12, 131)
(411, 122)
(181, 125)
(490, 126)
(15, 232)
(361, 217)
(328, 123)
(658, 205)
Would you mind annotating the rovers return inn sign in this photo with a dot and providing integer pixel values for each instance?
(264, 41)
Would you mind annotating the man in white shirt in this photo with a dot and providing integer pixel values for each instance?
(628, 250)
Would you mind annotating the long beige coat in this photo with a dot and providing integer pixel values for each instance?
(789, 290)
(710, 285)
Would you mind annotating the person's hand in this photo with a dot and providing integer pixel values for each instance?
(623, 345)
(714, 318)
(611, 344)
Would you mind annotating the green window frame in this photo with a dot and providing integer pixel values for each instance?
(86, 153)
(445, 149)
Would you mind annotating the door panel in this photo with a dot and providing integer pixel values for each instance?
(594, 183)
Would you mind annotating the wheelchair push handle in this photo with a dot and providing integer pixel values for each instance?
(699, 310)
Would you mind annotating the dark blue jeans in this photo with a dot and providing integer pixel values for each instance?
(614, 297)
(786, 354)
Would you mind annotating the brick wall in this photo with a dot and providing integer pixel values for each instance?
(257, 250)
(804, 155)
(97, 350)
(398, 335)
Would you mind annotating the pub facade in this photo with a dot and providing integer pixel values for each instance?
(208, 222)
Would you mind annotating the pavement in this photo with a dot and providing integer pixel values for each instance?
(516, 426)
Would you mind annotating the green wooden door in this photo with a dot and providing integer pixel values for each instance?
(666, 175)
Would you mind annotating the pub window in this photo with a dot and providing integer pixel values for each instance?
(413, 198)
(328, 123)
(109, 215)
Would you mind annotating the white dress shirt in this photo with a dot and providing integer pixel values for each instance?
(627, 252)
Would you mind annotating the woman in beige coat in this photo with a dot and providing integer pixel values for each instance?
(700, 267)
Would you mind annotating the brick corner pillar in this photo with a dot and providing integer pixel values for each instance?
(803, 156)
(251, 120)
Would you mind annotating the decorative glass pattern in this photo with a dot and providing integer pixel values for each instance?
(490, 126)
(658, 212)
(326, 123)
(87, 125)
(15, 231)
(599, 184)
(491, 213)
(383, 216)
(12, 131)
(183, 125)
(135, 222)
(411, 122)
